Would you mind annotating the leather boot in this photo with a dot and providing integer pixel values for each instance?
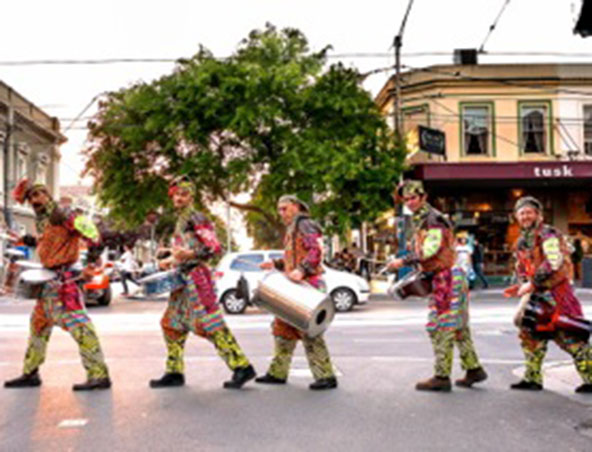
(434, 384)
(29, 380)
(169, 379)
(93, 383)
(240, 376)
(270, 380)
(527, 386)
(585, 388)
(473, 376)
(324, 383)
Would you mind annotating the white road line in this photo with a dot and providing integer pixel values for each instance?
(73, 423)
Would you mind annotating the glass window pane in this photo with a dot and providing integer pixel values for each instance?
(476, 125)
(534, 134)
(247, 263)
(588, 129)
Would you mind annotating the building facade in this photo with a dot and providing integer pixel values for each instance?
(29, 141)
(510, 130)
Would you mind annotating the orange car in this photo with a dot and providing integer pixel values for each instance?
(97, 284)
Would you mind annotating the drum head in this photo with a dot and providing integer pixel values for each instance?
(155, 277)
(28, 265)
(37, 276)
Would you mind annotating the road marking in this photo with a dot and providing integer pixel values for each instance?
(73, 423)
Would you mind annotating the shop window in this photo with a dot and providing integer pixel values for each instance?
(588, 129)
(477, 129)
(534, 121)
(22, 161)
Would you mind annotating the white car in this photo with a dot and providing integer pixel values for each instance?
(346, 289)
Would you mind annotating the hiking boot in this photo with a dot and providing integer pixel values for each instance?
(240, 376)
(585, 388)
(473, 376)
(270, 380)
(29, 380)
(434, 384)
(323, 383)
(169, 379)
(93, 383)
(527, 386)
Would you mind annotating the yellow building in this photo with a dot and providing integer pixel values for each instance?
(511, 129)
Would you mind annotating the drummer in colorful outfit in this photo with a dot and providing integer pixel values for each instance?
(432, 251)
(193, 307)
(543, 267)
(60, 232)
(302, 262)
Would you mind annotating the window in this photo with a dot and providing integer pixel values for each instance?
(477, 129)
(247, 263)
(588, 129)
(534, 132)
(275, 256)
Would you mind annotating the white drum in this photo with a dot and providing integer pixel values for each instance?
(31, 282)
(298, 304)
(28, 265)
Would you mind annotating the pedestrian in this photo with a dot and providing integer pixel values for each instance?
(193, 307)
(543, 269)
(60, 232)
(576, 257)
(432, 250)
(477, 258)
(301, 262)
(128, 268)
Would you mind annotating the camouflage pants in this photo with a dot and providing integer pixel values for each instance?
(443, 342)
(534, 350)
(49, 312)
(316, 352)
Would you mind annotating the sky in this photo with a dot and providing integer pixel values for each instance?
(64, 29)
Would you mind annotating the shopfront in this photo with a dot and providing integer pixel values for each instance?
(479, 197)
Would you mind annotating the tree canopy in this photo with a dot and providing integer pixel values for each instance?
(268, 120)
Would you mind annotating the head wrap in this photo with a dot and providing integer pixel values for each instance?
(409, 188)
(25, 188)
(294, 200)
(181, 183)
(528, 201)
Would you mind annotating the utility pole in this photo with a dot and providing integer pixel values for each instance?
(397, 44)
(7, 157)
(228, 229)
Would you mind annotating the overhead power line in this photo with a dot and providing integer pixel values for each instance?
(492, 26)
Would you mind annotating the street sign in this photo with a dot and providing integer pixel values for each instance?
(432, 141)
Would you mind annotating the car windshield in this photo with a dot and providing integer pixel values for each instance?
(247, 262)
(276, 256)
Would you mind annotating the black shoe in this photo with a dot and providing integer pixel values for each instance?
(527, 386)
(93, 383)
(585, 388)
(270, 380)
(29, 380)
(168, 380)
(323, 383)
(240, 376)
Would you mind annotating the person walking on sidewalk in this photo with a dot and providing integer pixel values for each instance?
(128, 267)
(543, 268)
(478, 254)
(432, 250)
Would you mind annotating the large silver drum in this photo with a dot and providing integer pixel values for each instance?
(31, 282)
(298, 304)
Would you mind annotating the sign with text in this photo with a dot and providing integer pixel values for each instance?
(432, 141)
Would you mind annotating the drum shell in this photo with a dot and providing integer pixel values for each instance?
(162, 282)
(31, 282)
(416, 284)
(298, 304)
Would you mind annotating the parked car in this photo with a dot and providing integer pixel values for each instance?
(98, 288)
(346, 289)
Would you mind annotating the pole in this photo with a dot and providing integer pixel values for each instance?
(228, 229)
(397, 107)
(6, 166)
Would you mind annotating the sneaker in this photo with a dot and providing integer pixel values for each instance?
(240, 376)
(93, 383)
(29, 380)
(169, 379)
(527, 386)
(435, 384)
(270, 380)
(324, 383)
(473, 376)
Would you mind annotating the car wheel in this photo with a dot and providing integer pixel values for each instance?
(105, 300)
(232, 304)
(344, 299)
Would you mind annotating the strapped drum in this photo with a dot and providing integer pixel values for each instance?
(415, 283)
(162, 282)
(298, 304)
(31, 282)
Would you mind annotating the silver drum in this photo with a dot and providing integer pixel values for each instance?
(298, 304)
(31, 282)
(162, 282)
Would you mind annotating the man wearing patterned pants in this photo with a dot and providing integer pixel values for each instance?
(192, 305)
(302, 261)
(60, 304)
(432, 250)
(544, 268)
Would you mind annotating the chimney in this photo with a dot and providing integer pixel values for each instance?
(465, 56)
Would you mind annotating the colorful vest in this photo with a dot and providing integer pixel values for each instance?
(303, 248)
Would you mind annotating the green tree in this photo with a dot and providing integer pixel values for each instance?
(268, 120)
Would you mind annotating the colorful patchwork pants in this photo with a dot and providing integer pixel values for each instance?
(186, 314)
(286, 337)
(535, 349)
(448, 322)
(49, 312)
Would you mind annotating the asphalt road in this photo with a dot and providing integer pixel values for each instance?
(380, 351)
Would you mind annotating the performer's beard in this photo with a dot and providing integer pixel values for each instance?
(39, 207)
